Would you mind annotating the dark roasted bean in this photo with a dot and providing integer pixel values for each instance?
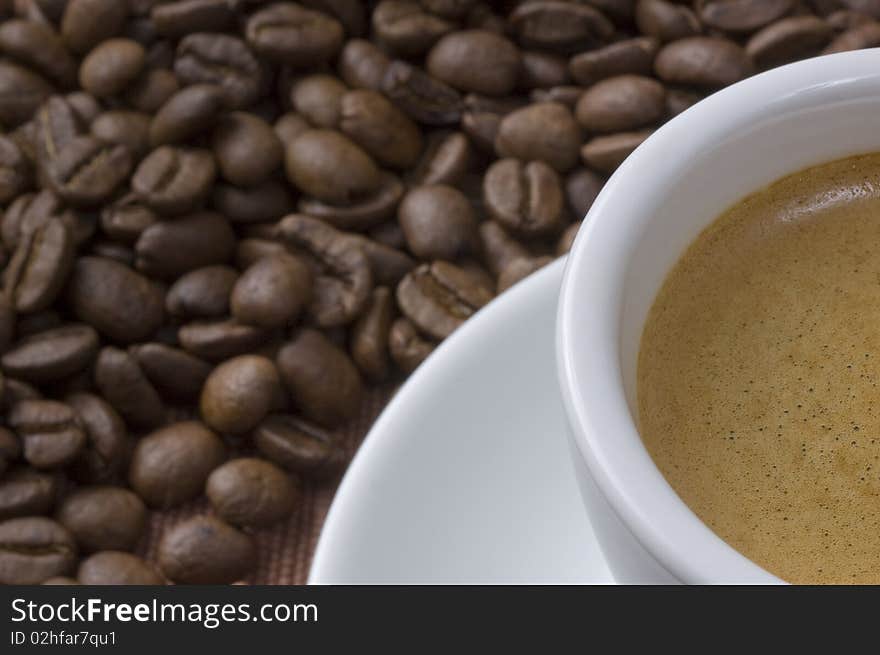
(439, 297)
(252, 493)
(116, 568)
(205, 550)
(123, 384)
(33, 549)
(50, 431)
(170, 466)
(117, 301)
(168, 249)
(322, 380)
(103, 518)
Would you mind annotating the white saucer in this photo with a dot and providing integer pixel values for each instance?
(466, 477)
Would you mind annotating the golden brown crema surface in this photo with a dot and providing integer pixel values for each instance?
(758, 375)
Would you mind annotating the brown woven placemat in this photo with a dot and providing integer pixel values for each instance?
(285, 551)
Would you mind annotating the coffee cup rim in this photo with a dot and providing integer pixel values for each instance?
(591, 301)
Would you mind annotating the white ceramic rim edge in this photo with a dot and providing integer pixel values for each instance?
(594, 276)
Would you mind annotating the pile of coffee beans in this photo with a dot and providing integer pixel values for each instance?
(223, 218)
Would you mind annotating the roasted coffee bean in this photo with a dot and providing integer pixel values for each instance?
(117, 568)
(38, 46)
(405, 28)
(677, 100)
(344, 279)
(543, 131)
(298, 446)
(111, 66)
(126, 219)
(519, 269)
(351, 13)
(408, 349)
(177, 19)
(127, 128)
(186, 114)
(788, 39)
(439, 297)
(290, 34)
(251, 493)
(453, 58)
(239, 393)
(222, 60)
(869, 7)
(622, 103)
(445, 160)
(842, 20)
(39, 266)
(173, 372)
(15, 170)
(35, 210)
(323, 382)
(272, 292)
(329, 166)
(107, 444)
(22, 91)
(388, 234)
(362, 65)
(123, 384)
(562, 26)
(118, 302)
(380, 128)
(52, 354)
(387, 264)
(202, 293)
(318, 98)
(170, 466)
(265, 202)
(567, 239)
(369, 336)
(666, 21)
(628, 57)
(526, 198)
(364, 212)
(289, 126)
(103, 518)
(174, 180)
(856, 38)
(438, 222)
(249, 251)
(25, 492)
(247, 149)
(33, 549)
(541, 70)
(423, 97)
(219, 340)
(740, 16)
(581, 188)
(86, 23)
(606, 153)
(702, 61)
(499, 248)
(50, 431)
(168, 249)
(88, 170)
(111, 250)
(205, 550)
(151, 90)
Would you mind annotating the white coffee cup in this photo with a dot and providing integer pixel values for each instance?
(693, 168)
